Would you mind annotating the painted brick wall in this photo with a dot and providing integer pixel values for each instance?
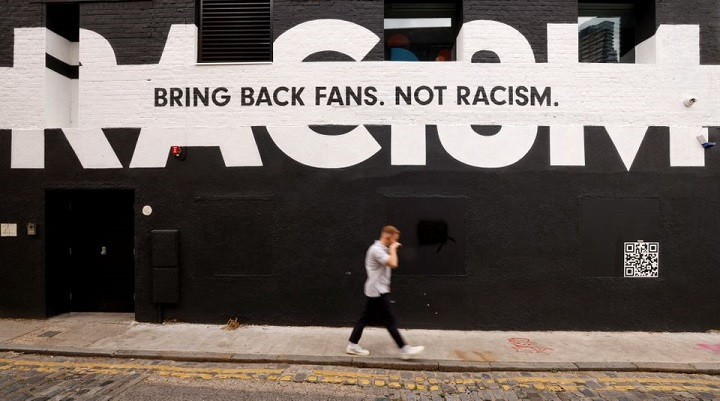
(16, 14)
(705, 13)
(523, 260)
(137, 30)
(368, 13)
(528, 17)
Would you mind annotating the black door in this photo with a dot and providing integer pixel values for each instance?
(89, 250)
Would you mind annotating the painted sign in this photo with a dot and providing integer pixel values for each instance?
(180, 102)
(8, 230)
(641, 259)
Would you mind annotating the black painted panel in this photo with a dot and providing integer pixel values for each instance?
(62, 68)
(236, 235)
(123, 141)
(64, 20)
(433, 234)
(607, 224)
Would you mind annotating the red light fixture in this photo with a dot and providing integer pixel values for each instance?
(176, 151)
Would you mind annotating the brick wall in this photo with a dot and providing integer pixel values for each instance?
(136, 30)
(528, 17)
(705, 13)
(16, 14)
(368, 13)
(523, 257)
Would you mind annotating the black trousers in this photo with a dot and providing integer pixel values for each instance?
(377, 310)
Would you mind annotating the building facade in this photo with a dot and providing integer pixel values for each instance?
(549, 162)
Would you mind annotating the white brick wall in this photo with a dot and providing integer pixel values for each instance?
(626, 99)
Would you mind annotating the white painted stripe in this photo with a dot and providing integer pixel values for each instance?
(58, 95)
(92, 148)
(27, 148)
(567, 145)
(685, 150)
(408, 145)
(562, 43)
(61, 48)
(410, 23)
(627, 140)
(506, 147)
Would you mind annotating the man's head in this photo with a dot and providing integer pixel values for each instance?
(388, 235)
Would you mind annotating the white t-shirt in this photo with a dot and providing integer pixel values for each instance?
(378, 272)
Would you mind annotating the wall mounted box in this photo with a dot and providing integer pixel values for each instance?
(165, 248)
(166, 285)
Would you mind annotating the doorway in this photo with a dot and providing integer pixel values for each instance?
(89, 250)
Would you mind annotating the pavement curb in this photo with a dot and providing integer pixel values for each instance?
(371, 362)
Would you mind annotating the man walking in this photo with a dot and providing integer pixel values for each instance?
(380, 258)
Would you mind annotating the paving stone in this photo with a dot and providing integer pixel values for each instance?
(391, 363)
(463, 366)
(196, 356)
(141, 354)
(314, 359)
(511, 385)
(708, 368)
(607, 366)
(533, 366)
(665, 367)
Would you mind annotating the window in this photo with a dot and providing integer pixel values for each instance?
(235, 31)
(609, 32)
(421, 30)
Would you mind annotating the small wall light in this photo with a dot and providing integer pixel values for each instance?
(178, 152)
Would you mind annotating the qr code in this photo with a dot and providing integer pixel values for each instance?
(641, 259)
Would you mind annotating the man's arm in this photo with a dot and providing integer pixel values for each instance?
(393, 260)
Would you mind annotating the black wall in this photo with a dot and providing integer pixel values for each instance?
(285, 243)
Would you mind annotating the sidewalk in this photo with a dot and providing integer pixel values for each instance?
(117, 335)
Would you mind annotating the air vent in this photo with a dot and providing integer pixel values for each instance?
(235, 31)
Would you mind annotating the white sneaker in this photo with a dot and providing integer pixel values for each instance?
(407, 351)
(355, 349)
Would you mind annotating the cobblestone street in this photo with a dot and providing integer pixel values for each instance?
(34, 377)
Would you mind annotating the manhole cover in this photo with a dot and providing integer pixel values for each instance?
(49, 334)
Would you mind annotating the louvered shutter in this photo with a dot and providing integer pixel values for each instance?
(235, 31)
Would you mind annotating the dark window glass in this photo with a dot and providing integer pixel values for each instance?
(235, 31)
(421, 30)
(609, 32)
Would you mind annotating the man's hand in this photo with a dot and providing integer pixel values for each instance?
(395, 245)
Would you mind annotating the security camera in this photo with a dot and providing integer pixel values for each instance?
(689, 102)
(704, 142)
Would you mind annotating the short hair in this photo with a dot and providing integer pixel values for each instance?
(390, 230)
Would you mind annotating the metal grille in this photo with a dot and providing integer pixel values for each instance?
(235, 31)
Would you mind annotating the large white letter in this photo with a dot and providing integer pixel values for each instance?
(237, 145)
(511, 143)
(301, 143)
